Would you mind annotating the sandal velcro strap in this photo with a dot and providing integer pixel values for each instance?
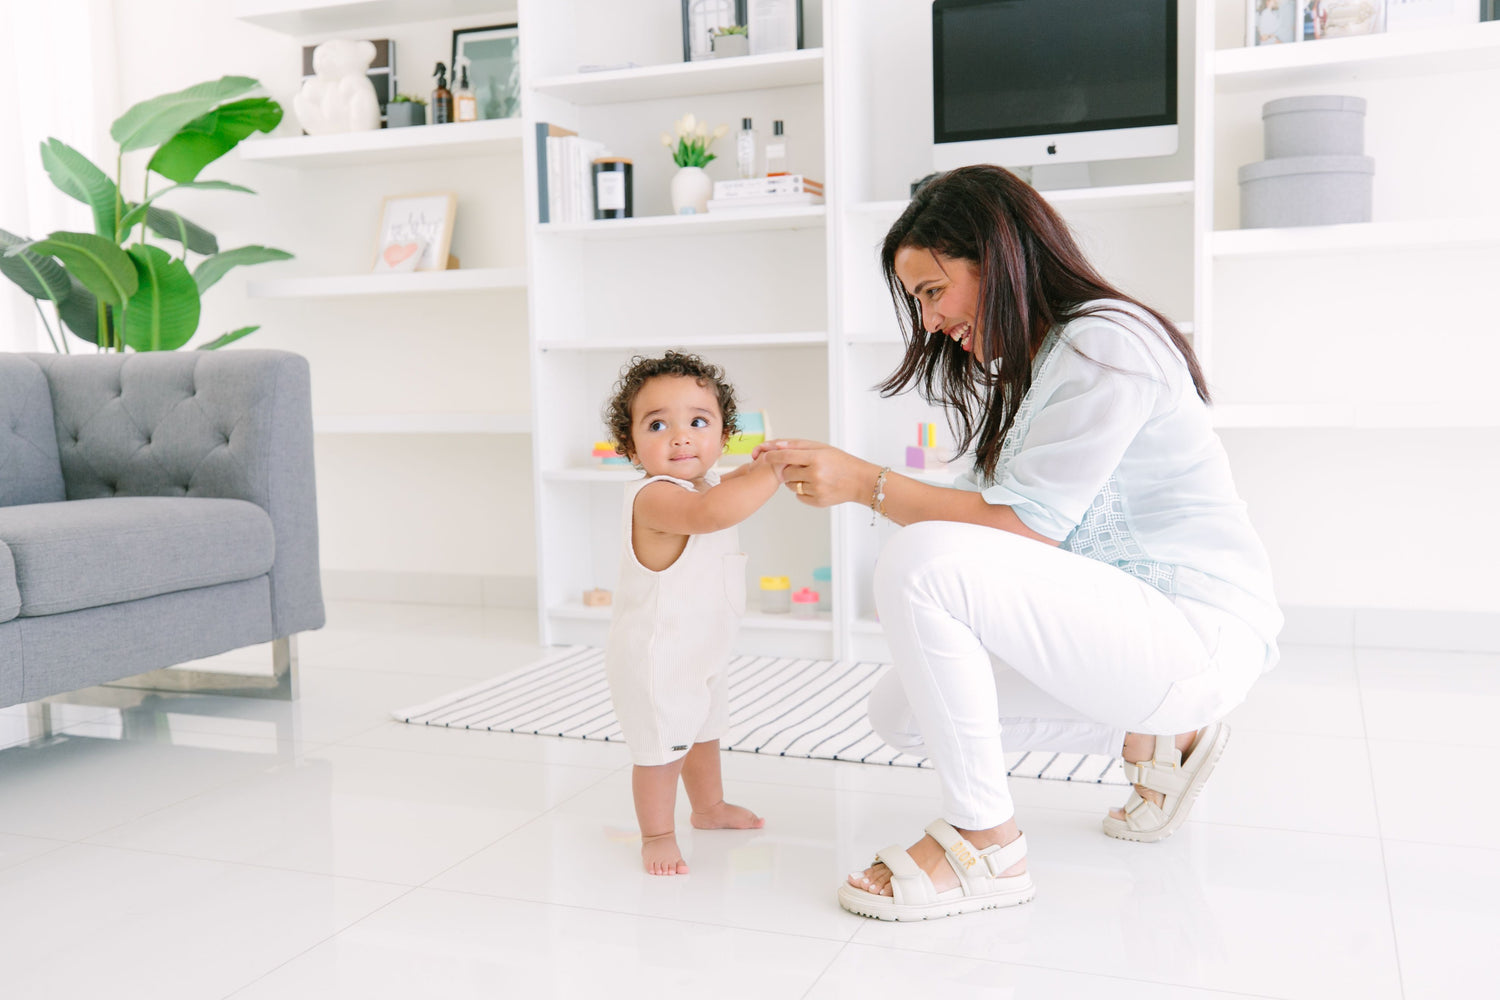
(1168, 781)
(968, 860)
(909, 883)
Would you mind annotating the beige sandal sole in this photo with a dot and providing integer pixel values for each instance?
(1120, 830)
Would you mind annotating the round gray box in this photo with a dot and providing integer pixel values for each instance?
(1322, 125)
(1306, 191)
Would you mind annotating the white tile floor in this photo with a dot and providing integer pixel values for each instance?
(202, 847)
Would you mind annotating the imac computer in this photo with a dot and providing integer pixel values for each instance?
(1025, 83)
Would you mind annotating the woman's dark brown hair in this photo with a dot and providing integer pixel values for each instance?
(1032, 277)
(638, 370)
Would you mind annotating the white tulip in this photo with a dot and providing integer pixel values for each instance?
(721, 131)
(689, 123)
(702, 130)
(666, 140)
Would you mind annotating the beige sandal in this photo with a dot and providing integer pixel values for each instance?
(1178, 780)
(914, 897)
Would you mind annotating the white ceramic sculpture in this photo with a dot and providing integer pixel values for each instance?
(340, 98)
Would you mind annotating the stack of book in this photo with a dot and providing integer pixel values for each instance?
(565, 181)
(782, 191)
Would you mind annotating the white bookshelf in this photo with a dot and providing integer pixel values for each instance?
(478, 279)
(708, 342)
(1356, 238)
(318, 17)
(388, 145)
(745, 221)
(1446, 50)
(1163, 229)
(675, 80)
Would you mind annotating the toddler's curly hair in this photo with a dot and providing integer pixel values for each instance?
(638, 370)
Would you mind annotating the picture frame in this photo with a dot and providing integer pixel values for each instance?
(700, 18)
(493, 55)
(1272, 22)
(423, 219)
(1341, 18)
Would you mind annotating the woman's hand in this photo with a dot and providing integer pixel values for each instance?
(820, 474)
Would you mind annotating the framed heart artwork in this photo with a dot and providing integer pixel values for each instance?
(415, 232)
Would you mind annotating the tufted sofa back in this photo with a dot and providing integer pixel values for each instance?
(231, 424)
(29, 467)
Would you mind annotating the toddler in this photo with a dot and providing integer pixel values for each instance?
(681, 593)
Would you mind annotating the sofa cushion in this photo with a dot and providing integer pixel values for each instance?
(30, 469)
(90, 553)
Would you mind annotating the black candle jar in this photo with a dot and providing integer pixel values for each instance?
(613, 197)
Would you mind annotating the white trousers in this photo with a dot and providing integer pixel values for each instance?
(994, 633)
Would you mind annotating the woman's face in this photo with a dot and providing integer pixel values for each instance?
(946, 290)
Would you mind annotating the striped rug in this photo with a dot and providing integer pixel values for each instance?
(779, 706)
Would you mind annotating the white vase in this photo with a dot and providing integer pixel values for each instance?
(691, 188)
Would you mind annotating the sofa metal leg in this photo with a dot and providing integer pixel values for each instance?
(38, 721)
(280, 684)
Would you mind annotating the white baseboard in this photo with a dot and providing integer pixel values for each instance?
(468, 589)
(1393, 628)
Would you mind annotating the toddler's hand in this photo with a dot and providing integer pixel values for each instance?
(766, 446)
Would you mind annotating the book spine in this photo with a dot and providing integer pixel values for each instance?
(542, 213)
(554, 177)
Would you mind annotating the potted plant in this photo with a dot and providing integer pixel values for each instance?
(731, 40)
(142, 296)
(691, 185)
(405, 110)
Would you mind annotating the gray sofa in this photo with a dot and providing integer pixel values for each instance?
(154, 508)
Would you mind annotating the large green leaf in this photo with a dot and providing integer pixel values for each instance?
(227, 338)
(80, 312)
(214, 268)
(163, 313)
(98, 263)
(76, 176)
(154, 121)
(208, 137)
(170, 225)
(137, 210)
(37, 276)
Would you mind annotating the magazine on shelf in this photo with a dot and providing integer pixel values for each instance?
(792, 199)
(759, 187)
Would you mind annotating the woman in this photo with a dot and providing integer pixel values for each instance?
(1093, 585)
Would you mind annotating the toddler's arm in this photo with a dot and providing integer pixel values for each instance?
(670, 509)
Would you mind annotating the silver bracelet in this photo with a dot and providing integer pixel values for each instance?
(877, 499)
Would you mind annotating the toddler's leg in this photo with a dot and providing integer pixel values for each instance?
(655, 790)
(705, 788)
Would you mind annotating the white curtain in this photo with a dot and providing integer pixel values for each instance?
(57, 79)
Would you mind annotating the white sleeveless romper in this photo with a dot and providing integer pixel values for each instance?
(670, 637)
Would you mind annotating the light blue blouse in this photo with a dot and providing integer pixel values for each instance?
(1113, 455)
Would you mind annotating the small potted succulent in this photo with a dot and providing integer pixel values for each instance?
(404, 110)
(731, 40)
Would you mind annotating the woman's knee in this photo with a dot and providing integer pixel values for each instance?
(916, 551)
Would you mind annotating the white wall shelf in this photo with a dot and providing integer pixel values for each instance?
(1118, 196)
(708, 343)
(812, 217)
(1420, 234)
(753, 619)
(316, 17)
(1335, 60)
(1357, 416)
(388, 145)
(477, 279)
(714, 76)
(423, 423)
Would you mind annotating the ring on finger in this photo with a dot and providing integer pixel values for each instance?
(801, 488)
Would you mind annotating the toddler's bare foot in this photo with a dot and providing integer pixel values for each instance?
(660, 855)
(723, 816)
